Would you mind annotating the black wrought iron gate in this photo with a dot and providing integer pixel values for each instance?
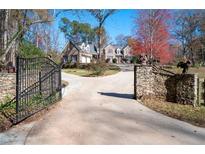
(38, 84)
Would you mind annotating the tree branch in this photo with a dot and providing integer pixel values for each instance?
(17, 34)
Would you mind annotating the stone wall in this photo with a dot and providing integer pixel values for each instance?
(7, 85)
(144, 81)
(160, 84)
(164, 86)
(186, 88)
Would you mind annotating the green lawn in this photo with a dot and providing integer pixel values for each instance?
(199, 70)
(88, 73)
(76, 71)
(188, 113)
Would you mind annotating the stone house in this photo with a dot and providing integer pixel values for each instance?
(119, 55)
(115, 52)
(85, 53)
(109, 52)
(81, 53)
(127, 53)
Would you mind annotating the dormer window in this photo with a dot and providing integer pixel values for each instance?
(82, 46)
(87, 48)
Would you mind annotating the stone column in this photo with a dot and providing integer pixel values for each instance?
(195, 88)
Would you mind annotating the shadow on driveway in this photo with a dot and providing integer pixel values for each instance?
(119, 95)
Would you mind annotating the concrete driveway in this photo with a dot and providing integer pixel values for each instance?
(101, 111)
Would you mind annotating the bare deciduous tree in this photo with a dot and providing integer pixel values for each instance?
(19, 21)
(101, 15)
(186, 31)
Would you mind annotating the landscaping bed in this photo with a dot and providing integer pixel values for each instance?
(93, 70)
(188, 113)
(4, 123)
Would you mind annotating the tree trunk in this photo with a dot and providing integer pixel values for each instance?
(9, 37)
(6, 26)
(2, 21)
(193, 57)
(99, 42)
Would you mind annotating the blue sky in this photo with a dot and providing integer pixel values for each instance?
(122, 22)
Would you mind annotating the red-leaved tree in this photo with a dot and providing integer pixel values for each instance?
(152, 35)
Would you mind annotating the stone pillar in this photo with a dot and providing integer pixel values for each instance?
(201, 91)
(195, 89)
(144, 79)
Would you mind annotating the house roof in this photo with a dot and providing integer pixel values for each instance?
(75, 46)
(107, 45)
(117, 47)
(125, 46)
(92, 48)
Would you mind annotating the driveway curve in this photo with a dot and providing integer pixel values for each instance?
(101, 111)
